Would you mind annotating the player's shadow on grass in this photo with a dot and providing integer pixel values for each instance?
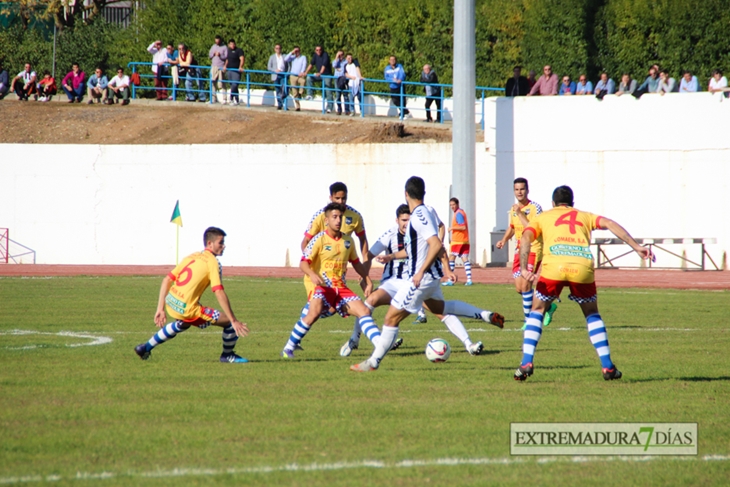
(686, 379)
(549, 367)
(298, 359)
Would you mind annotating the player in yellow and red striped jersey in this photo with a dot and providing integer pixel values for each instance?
(324, 262)
(568, 261)
(180, 295)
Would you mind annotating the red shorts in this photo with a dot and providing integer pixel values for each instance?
(549, 290)
(335, 297)
(530, 265)
(460, 249)
(206, 317)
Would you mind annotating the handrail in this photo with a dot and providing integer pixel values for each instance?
(330, 94)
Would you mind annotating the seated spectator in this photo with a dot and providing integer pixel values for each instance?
(568, 86)
(433, 91)
(583, 86)
(4, 82)
(547, 85)
(96, 88)
(517, 85)
(605, 86)
(689, 83)
(24, 84)
(119, 85)
(650, 84)
(46, 87)
(531, 79)
(73, 84)
(666, 83)
(627, 85)
(718, 82)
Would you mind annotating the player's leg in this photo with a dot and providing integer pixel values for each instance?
(379, 297)
(546, 291)
(228, 335)
(548, 318)
(467, 268)
(454, 324)
(585, 295)
(460, 308)
(317, 305)
(167, 332)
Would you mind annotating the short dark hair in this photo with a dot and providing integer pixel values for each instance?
(563, 195)
(337, 187)
(416, 188)
(218, 38)
(211, 233)
(716, 71)
(686, 71)
(402, 210)
(72, 64)
(521, 180)
(46, 72)
(455, 200)
(119, 68)
(231, 40)
(517, 67)
(332, 207)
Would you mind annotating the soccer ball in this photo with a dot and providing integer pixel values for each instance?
(438, 350)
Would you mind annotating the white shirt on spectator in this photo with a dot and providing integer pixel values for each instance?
(159, 56)
(118, 82)
(718, 85)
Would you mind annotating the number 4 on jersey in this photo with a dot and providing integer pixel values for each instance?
(569, 218)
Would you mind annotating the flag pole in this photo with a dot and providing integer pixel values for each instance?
(177, 244)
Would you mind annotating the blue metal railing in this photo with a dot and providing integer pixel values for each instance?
(253, 79)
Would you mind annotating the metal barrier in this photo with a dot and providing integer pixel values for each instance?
(604, 261)
(254, 80)
(5, 253)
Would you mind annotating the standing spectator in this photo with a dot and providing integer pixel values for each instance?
(73, 84)
(342, 84)
(433, 92)
(650, 84)
(298, 77)
(718, 82)
(605, 86)
(353, 74)
(531, 79)
(97, 87)
(583, 87)
(4, 81)
(173, 60)
(24, 84)
(547, 85)
(568, 86)
(517, 85)
(278, 68)
(322, 67)
(159, 60)
(689, 83)
(627, 85)
(234, 69)
(119, 85)
(186, 61)
(666, 83)
(396, 75)
(217, 54)
(46, 87)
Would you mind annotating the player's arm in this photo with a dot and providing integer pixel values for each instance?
(364, 248)
(401, 254)
(160, 315)
(525, 243)
(364, 271)
(241, 328)
(305, 241)
(442, 231)
(620, 232)
(444, 258)
(507, 235)
(307, 269)
(434, 247)
(521, 215)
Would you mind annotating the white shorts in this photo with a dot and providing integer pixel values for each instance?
(393, 285)
(411, 299)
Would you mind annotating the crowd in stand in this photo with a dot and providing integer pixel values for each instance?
(657, 81)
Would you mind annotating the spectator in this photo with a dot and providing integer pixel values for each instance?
(605, 86)
(119, 85)
(517, 85)
(433, 91)
(583, 86)
(547, 84)
(159, 60)
(185, 62)
(4, 81)
(627, 85)
(217, 54)
(234, 69)
(666, 84)
(173, 59)
(24, 84)
(689, 83)
(650, 84)
(531, 79)
(73, 84)
(97, 87)
(718, 82)
(278, 68)
(298, 77)
(352, 73)
(339, 65)
(567, 87)
(46, 87)
(395, 74)
(323, 69)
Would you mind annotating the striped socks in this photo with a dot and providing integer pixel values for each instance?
(533, 331)
(305, 311)
(370, 329)
(300, 329)
(527, 302)
(167, 332)
(599, 338)
(452, 265)
(467, 269)
(229, 339)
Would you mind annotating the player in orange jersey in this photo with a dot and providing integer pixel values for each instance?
(180, 295)
(567, 261)
(459, 239)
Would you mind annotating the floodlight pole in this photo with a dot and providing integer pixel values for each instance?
(463, 169)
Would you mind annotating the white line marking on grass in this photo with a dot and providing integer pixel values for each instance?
(95, 339)
(321, 467)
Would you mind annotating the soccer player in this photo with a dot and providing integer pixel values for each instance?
(421, 316)
(395, 276)
(423, 248)
(568, 261)
(324, 262)
(522, 213)
(180, 295)
(459, 238)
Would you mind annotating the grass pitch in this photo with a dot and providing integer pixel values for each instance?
(97, 415)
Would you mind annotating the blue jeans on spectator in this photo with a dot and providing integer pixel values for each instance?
(75, 93)
(234, 79)
(191, 77)
(343, 95)
(281, 91)
(328, 93)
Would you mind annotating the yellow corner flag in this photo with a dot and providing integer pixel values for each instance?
(176, 217)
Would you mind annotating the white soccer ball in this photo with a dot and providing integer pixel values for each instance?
(438, 350)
